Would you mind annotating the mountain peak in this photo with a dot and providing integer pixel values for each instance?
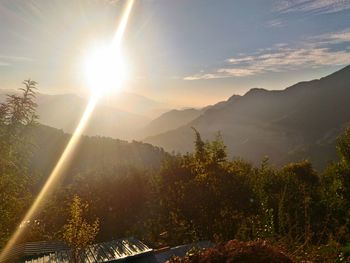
(255, 91)
(234, 98)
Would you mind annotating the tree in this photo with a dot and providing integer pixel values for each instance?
(336, 190)
(199, 146)
(17, 117)
(344, 146)
(77, 232)
(202, 195)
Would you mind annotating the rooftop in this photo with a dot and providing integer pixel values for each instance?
(117, 250)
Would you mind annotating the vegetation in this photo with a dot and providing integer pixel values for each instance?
(196, 196)
(235, 251)
(78, 233)
(17, 120)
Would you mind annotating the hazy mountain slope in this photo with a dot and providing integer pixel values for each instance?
(65, 111)
(301, 121)
(110, 118)
(136, 104)
(170, 120)
(93, 153)
(176, 118)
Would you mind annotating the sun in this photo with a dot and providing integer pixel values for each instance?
(105, 70)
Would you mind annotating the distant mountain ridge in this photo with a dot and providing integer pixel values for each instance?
(170, 120)
(125, 116)
(299, 122)
(136, 104)
(63, 111)
(174, 119)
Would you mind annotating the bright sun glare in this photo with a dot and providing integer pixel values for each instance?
(105, 70)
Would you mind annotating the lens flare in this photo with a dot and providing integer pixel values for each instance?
(105, 66)
(105, 70)
(67, 155)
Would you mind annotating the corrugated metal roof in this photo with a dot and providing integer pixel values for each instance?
(102, 252)
(33, 248)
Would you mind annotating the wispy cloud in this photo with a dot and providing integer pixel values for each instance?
(6, 61)
(314, 52)
(275, 23)
(312, 6)
(334, 38)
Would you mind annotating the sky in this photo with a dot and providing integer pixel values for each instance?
(181, 52)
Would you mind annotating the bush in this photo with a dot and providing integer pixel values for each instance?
(236, 251)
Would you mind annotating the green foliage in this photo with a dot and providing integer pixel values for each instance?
(199, 146)
(20, 110)
(336, 191)
(344, 146)
(17, 118)
(235, 251)
(203, 195)
(77, 232)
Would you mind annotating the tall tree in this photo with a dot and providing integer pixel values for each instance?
(17, 118)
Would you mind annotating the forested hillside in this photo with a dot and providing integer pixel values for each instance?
(93, 153)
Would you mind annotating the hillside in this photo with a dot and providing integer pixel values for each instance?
(136, 104)
(299, 122)
(64, 112)
(119, 116)
(93, 153)
(174, 119)
(170, 120)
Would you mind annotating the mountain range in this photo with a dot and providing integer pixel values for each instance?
(65, 111)
(299, 122)
(122, 116)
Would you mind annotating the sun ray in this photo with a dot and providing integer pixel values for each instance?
(122, 25)
(105, 66)
(69, 150)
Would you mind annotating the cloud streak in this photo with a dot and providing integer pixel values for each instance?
(312, 6)
(315, 52)
(6, 61)
(274, 23)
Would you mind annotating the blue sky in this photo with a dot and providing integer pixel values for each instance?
(184, 52)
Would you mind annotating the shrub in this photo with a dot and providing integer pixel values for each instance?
(236, 251)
